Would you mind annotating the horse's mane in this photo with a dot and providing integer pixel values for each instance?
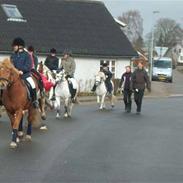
(7, 63)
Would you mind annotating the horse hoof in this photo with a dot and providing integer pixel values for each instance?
(18, 140)
(13, 145)
(44, 127)
(65, 115)
(57, 116)
(28, 137)
(20, 134)
(43, 117)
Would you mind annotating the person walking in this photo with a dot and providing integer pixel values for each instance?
(126, 87)
(140, 81)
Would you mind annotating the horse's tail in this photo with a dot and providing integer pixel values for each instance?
(36, 118)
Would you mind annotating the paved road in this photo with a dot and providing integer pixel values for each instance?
(167, 89)
(100, 147)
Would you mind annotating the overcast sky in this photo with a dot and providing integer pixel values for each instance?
(167, 8)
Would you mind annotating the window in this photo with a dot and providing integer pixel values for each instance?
(111, 64)
(13, 13)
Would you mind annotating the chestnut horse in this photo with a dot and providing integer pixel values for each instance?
(15, 100)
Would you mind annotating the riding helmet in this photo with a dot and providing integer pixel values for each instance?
(105, 65)
(18, 42)
(53, 50)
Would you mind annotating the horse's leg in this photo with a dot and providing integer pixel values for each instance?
(57, 102)
(51, 93)
(15, 121)
(20, 129)
(29, 131)
(98, 99)
(112, 101)
(70, 106)
(42, 102)
(30, 119)
(102, 101)
(66, 104)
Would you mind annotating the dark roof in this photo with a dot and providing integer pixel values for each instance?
(85, 27)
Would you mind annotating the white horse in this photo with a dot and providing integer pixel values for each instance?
(62, 93)
(101, 90)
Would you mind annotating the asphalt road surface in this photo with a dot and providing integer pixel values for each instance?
(100, 147)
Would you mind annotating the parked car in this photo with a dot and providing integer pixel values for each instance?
(162, 69)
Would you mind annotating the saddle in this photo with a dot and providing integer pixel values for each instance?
(39, 81)
(38, 78)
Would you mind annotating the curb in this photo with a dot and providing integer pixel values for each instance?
(118, 98)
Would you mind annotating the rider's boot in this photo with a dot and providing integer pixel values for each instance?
(72, 91)
(94, 88)
(34, 98)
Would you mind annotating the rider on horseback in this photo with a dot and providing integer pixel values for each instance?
(108, 75)
(52, 62)
(22, 61)
(69, 66)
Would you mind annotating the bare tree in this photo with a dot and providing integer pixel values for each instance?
(167, 32)
(134, 30)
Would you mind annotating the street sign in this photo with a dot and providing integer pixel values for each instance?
(161, 51)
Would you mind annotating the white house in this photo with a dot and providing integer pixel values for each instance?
(84, 27)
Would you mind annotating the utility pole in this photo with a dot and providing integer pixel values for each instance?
(152, 47)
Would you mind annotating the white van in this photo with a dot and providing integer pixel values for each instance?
(162, 69)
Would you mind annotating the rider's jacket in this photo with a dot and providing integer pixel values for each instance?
(126, 81)
(22, 61)
(108, 75)
(69, 66)
(140, 79)
(52, 62)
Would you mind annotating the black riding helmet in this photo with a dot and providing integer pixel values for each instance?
(105, 65)
(53, 50)
(18, 42)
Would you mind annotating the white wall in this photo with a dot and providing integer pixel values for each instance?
(2, 57)
(86, 68)
(120, 67)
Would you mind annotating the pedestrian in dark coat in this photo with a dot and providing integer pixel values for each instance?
(140, 81)
(126, 87)
(52, 62)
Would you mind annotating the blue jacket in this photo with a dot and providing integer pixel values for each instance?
(22, 62)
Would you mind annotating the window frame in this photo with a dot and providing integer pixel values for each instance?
(111, 65)
(12, 12)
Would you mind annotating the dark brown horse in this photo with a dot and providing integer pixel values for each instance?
(15, 99)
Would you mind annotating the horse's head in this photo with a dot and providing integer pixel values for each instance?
(99, 78)
(7, 73)
(40, 67)
(60, 76)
